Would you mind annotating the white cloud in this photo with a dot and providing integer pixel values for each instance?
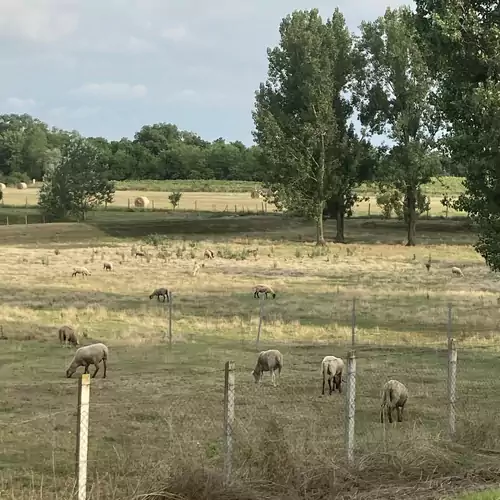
(112, 91)
(17, 104)
(41, 21)
(176, 34)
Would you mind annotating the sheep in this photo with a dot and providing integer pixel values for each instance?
(394, 395)
(88, 355)
(67, 335)
(331, 368)
(263, 289)
(457, 270)
(139, 253)
(81, 270)
(107, 266)
(160, 292)
(208, 253)
(268, 361)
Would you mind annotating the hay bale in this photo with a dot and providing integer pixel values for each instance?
(22, 185)
(141, 202)
(2, 186)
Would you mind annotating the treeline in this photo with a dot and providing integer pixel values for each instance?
(28, 146)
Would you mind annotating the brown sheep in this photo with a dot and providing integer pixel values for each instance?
(67, 335)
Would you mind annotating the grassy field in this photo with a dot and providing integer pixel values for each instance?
(208, 202)
(156, 421)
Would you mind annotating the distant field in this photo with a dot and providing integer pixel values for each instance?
(449, 185)
(211, 202)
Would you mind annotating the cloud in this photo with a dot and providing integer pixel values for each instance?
(111, 91)
(78, 113)
(16, 104)
(41, 21)
(176, 34)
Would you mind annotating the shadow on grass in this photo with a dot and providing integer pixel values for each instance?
(216, 226)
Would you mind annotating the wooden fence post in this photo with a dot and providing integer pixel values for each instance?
(26, 219)
(351, 406)
(452, 385)
(261, 317)
(229, 389)
(82, 435)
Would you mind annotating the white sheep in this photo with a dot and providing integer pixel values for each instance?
(394, 395)
(268, 361)
(457, 270)
(67, 335)
(263, 289)
(332, 367)
(160, 292)
(107, 266)
(208, 253)
(88, 355)
(81, 270)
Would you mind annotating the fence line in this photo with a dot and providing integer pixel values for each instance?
(452, 385)
(229, 389)
(351, 406)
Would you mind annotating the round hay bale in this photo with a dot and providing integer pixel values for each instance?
(2, 186)
(22, 185)
(141, 202)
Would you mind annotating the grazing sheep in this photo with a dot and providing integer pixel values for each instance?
(88, 355)
(457, 270)
(263, 289)
(107, 266)
(331, 368)
(160, 292)
(67, 335)
(208, 253)
(268, 361)
(394, 395)
(81, 270)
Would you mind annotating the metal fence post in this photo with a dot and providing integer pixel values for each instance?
(452, 385)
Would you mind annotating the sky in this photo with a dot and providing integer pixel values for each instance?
(108, 67)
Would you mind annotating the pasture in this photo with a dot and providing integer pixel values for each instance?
(237, 202)
(156, 421)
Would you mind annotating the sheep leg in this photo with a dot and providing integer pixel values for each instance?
(330, 386)
(105, 367)
(96, 370)
(389, 414)
(273, 378)
(323, 391)
(400, 413)
(339, 383)
(382, 415)
(86, 369)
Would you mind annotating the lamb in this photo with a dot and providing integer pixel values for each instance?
(263, 289)
(457, 270)
(160, 292)
(81, 270)
(394, 395)
(88, 355)
(268, 361)
(331, 368)
(67, 335)
(208, 253)
(107, 266)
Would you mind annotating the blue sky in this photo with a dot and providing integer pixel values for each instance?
(107, 67)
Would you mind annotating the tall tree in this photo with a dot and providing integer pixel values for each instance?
(393, 94)
(301, 115)
(77, 183)
(463, 43)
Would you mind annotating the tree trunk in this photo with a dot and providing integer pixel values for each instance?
(320, 235)
(411, 198)
(340, 216)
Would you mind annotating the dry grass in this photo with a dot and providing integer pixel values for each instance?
(156, 422)
(206, 201)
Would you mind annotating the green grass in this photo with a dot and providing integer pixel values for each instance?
(208, 186)
(156, 421)
(483, 495)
